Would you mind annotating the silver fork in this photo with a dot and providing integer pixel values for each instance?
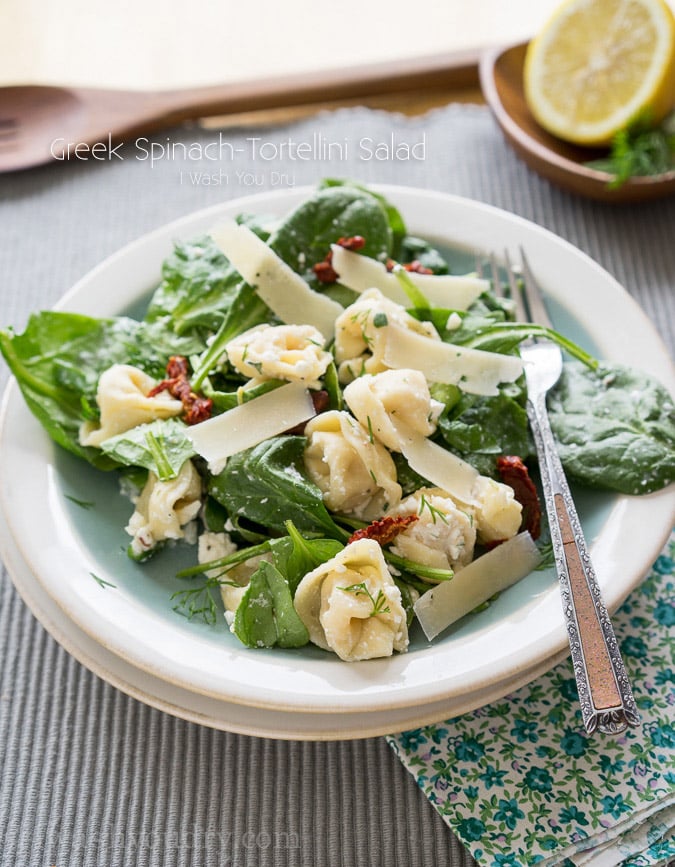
(605, 695)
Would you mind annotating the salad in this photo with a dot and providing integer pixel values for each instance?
(335, 422)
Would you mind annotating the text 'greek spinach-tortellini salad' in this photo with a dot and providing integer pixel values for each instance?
(336, 423)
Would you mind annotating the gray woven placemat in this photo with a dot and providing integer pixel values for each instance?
(89, 776)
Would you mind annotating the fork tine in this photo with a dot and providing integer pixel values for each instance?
(516, 292)
(533, 297)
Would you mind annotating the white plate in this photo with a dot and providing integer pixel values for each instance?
(225, 715)
(134, 620)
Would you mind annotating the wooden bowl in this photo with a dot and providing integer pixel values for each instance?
(501, 78)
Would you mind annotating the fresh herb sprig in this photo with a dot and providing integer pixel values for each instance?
(639, 150)
(198, 601)
(378, 602)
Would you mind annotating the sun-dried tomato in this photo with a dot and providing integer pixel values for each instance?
(198, 409)
(514, 473)
(177, 367)
(320, 399)
(325, 273)
(195, 408)
(415, 266)
(385, 530)
(355, 242)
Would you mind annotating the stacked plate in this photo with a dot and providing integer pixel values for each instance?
(62, 534)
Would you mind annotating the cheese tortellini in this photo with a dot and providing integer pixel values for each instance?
(122, 397)
(352, 606)
(393, 405)
(443, 536)
(291, 352)
(164, 508)
(355, 474)
(361, 333)
(497, 514)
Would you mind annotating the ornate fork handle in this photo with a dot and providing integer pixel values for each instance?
(605, 695)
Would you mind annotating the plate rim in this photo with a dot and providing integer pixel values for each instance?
(519, 662)
(196, 708)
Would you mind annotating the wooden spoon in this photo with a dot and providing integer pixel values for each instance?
(501, 78)
(37, 122)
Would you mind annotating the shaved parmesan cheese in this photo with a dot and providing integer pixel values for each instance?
(441, 290)
(249, 424)
(476, 583)
(472, 370)
(440, 467)
(284, 291)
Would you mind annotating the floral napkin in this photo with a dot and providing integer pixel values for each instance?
(520, 782)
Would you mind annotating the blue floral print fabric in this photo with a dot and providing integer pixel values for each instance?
(521, 783)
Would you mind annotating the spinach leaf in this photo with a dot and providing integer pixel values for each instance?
(59, 358)
(214, 516)
(295, 556)
(161, 446)
(416, 249)
(246, 309)
(481, 428)
(225, 400)
(198, 285)
(615, 428)
(266, 616)
(482, 328)
(394, 216)
(473, 323)
(332, 385)
(268, 486)
(305, 236)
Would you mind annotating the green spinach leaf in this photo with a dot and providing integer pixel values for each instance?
(305, 236)
(394, 216)
(59, 358)
(161, 446)
(245, 310)
(481, 428)
(268, 486)
(295, 556)
(615, 428)
(198, 285)
(413, 249)
(225, 400)
(266, 616)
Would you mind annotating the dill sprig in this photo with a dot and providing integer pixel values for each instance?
(198, 601)
(378, 602)
(433, 511)
(102, 582)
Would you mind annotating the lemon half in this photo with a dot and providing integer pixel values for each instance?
(597, 65)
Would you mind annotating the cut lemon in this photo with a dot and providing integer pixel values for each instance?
(598, 65)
